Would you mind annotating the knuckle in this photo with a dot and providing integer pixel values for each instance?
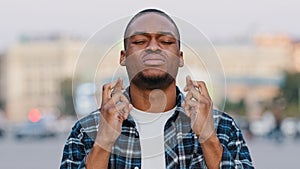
(111, 110)
(106, 86)
(113, 100)
(124, 98)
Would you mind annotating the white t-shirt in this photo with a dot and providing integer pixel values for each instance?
(151, 130)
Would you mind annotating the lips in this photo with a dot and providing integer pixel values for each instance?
(154, 60)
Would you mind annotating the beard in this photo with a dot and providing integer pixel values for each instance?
(152, 82)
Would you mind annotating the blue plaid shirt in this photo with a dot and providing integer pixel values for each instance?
(182, 148)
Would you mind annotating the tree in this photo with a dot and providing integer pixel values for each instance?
(238, 108)
(290, 91)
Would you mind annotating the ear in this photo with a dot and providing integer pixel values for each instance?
(181, 61)
(123, 58)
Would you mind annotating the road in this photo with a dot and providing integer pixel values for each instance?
(46, 154)
(31, 154)
(268, 154)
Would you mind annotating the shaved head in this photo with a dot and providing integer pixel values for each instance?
(148, 11)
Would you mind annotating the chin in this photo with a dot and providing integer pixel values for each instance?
(153, 79)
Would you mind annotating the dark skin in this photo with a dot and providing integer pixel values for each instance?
(153, 32)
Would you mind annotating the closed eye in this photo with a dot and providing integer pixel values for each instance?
(140, 42)
(167, 42)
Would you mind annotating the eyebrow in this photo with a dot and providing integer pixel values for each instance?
(147, 33)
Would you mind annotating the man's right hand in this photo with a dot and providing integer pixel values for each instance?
(115, 108)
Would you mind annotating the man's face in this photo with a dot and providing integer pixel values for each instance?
(152, 57)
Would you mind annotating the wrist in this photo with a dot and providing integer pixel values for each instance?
(212, 142)
(106, 137)
(210, 137)
(207, 135)
(104, 142)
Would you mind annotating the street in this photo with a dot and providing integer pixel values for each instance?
(46, 153)
(268, 154)
(31, 154)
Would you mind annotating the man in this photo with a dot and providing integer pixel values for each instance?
(152, 124)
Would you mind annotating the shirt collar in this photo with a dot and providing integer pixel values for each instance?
(179, 99)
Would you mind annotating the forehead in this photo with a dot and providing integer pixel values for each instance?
(151, 23)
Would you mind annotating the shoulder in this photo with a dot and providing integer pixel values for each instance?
(225, 126)
(80, 140)
(87, 124)
(222, 117)
(224, 122)
(90, 119)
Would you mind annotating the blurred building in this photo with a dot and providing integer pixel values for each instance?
(35, 68)
(296, 57)
(255, 71)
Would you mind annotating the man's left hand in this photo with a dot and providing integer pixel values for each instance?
(198, 106)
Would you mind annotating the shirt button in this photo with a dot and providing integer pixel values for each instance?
(136, 167)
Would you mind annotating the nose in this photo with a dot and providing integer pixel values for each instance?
(153, 45)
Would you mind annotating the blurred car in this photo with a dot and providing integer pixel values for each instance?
(2, 125)
(289, 126)
(33, 130)
(262, 126)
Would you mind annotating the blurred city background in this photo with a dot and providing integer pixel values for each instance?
(258, 45)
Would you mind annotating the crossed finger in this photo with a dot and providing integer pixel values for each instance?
(197, 88)
(196, 97)
(114, 99)
(194, 92)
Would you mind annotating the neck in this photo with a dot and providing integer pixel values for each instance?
(154, 101)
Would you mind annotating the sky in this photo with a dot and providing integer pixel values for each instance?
(216, 19)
